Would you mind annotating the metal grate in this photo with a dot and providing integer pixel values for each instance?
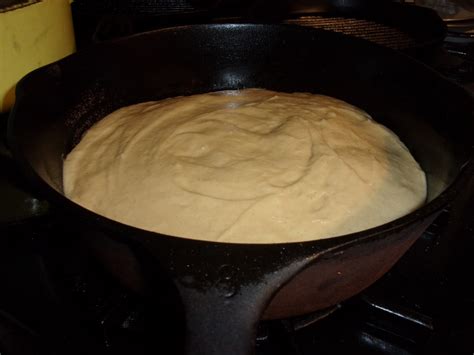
(366, 29)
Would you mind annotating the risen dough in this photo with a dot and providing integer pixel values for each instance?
(252, 166)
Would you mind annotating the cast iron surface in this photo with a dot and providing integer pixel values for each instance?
(18, 202)
(417, 31)
(229, 286)
(394, 25)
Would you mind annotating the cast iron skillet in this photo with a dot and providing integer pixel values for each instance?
(226, 288)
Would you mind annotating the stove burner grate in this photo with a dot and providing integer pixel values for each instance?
(366, 29)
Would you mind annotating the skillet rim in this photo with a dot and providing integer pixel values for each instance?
(436, 205)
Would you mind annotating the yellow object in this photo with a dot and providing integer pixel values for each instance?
(30, 37)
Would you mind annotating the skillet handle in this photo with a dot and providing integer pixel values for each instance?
(222, 315)
(223, 289)
(221, 322)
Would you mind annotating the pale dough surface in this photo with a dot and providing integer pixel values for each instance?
(249, 166)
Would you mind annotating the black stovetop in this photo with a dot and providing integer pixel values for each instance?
(56, 298)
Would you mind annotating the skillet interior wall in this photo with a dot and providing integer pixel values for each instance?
(427, 113)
